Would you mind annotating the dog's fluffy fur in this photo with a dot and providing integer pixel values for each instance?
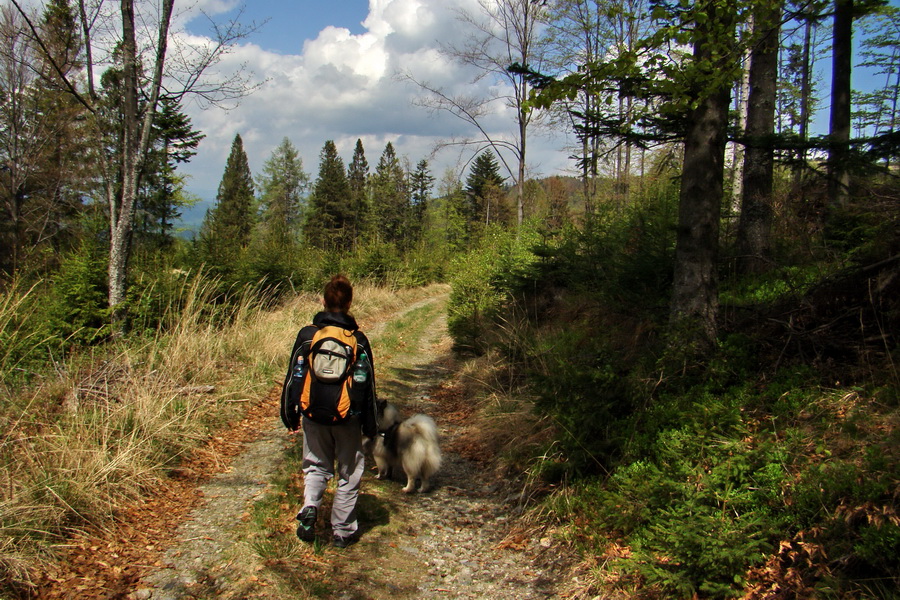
(411, 444)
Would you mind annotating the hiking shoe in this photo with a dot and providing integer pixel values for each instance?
(340, 541)
(306, 530)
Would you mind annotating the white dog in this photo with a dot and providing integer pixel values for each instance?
(412, 444)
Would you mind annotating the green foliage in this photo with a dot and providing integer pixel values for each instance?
(862, 234)
(713, 478)
(390, 198)
(766, 288)
(482, 280)
(624, 258)
(227, 227)
(161, 195)
(330, 219)
(374, 261)
(281, 186)
(577, 378)
(21, 342)
(474, 302)
(358, 179)
(76, 312)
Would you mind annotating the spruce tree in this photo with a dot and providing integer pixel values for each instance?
(420, 189)
(329, 223)
(390, 197)
(281, 186)
(358, 175)
(43, 138)
(457, 214)
(484, 190)
(161, 195)
(226, 229)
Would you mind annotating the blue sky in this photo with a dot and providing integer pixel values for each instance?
(290, 22)
(328, 70)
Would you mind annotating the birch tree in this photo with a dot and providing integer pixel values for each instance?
(584, 32)
(135, 37)
(503, 33)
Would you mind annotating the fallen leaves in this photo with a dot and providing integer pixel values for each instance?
(107, 564)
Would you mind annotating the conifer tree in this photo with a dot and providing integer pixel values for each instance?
(456, 206)
(281, 185)
(390, 197)
(879, 110)
(42, 136)
(484, 190)
(358, 175)
(161, 195)
(420, 189)
(64, 173)
(330, 219)
(226, 229)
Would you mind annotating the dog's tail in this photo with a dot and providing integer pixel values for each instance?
(423, 455)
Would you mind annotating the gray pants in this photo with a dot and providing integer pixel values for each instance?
(322, 446)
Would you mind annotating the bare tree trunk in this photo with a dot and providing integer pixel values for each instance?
(805, 94)
(626, 192)
(839, 134)
(585, 185)
(737, 149)
(695, 289)
(135, 142)
(754, 227)
(520, 196)
(695, 300)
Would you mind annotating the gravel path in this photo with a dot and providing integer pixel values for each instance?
(448, 543)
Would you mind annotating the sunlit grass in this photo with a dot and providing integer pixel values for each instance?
(91, 434)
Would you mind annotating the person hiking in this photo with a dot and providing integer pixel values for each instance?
(329, 392)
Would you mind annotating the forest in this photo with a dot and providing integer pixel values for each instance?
(701, 317)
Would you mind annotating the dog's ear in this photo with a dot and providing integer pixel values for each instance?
(381, 405)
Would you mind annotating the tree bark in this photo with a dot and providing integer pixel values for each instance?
(737, 149)
(755, 224)
(695, 289)
(840, 128)
(805, 94)
(695, 300)
(135, 141)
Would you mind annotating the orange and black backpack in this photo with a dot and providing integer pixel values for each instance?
(328, 374)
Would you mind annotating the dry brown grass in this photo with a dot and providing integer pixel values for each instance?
(91, 436)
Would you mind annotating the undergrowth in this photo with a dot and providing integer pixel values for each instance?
(768, 469)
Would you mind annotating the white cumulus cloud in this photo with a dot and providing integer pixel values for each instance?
(342, 86)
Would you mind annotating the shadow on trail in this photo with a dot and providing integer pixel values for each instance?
(404, 386)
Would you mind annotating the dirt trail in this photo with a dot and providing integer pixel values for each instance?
(445, 544)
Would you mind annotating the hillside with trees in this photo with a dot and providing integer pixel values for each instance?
(691, 337)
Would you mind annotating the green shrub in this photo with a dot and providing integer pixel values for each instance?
(482, 282)
(76, 312)
(624, 259)
(577, 380)
(22, 337)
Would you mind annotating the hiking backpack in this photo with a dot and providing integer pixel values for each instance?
(318, 384)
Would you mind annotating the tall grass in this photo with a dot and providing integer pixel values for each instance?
(92, 433)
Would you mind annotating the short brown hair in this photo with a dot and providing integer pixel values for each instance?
(338, 294)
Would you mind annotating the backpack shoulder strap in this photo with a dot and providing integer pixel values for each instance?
(306, 334)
